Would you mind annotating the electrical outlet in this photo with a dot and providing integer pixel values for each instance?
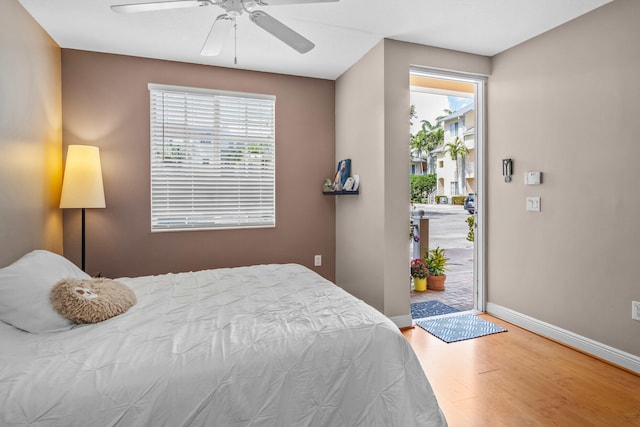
(635, 310)
(317, 260)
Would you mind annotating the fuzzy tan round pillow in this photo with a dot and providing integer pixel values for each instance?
(91, 300)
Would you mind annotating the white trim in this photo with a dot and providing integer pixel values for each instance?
(439, 73)
(479, 246)
(595, 348)
(480, 106)
(206, 91)
(404, 321)
(212, 159)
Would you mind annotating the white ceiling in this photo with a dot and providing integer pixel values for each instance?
(342, 31)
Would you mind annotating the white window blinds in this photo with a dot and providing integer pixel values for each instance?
(212, 159)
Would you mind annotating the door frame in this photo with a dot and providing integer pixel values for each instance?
(479, 244)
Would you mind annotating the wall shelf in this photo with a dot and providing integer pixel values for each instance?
(340, 193)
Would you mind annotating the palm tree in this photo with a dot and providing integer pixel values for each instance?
(447, 112)
(457, 149)
(428, 138)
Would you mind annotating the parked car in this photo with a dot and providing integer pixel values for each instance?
(470, 203)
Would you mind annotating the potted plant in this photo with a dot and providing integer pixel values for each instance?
(419, 272)
(436, 265)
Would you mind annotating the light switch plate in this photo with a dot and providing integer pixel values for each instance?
(533, 204)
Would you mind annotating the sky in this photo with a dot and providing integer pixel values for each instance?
(429, 106)
(456, 103)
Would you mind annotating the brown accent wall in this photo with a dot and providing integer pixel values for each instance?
(105, 103)
(30, 136)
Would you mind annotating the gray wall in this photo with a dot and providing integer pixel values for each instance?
(30, 136)
(566, 104)
(372, 128)
(360, 244)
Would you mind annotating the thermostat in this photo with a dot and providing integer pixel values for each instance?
(532, 178)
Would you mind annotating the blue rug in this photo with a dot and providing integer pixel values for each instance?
(459, 328)
(420, 310)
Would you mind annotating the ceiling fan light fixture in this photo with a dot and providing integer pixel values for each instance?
(218, 35)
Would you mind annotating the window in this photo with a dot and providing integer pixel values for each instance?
(454, 188)
(212, 159)
(453, 128)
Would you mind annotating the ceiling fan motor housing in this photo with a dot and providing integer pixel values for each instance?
(233, 8)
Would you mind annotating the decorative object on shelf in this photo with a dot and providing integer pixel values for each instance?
(436, 264)
(348, 186)
(82, 182)
(419, 272)
(342, 182)
(343, 171)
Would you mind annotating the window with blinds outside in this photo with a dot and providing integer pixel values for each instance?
(212, 159)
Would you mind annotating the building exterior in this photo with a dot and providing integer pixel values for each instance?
(457, 177)
(418, 166)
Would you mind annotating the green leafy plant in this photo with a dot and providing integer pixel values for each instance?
(470, 234)
(422, 186)
(436, 261)
(419, 268)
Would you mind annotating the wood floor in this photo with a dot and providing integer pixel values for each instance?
(518, 379)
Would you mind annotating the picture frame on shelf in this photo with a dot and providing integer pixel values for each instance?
(343, 172)
(348, 185)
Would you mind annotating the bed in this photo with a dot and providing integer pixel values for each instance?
(266, 345)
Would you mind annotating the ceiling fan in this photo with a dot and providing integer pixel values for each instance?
(225, 22)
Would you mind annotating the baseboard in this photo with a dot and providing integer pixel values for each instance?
(402, 321)
(595, 348)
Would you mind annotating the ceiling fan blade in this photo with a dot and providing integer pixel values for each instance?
(281, 31)
(158, 5)
(218, 35)
(277, 2)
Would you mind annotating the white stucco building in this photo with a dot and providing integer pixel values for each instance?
(457, 178)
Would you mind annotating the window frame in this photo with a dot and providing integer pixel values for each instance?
(219, 192)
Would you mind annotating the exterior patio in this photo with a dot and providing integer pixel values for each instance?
(448, 230)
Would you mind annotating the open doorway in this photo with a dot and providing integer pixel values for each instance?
(446, 174)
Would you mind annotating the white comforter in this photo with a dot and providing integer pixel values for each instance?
(270, 345)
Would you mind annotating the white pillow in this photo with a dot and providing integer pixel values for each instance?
(25, 287)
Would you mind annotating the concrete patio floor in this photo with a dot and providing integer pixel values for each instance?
(448, 229)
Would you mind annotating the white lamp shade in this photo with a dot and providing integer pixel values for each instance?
(82, 181)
